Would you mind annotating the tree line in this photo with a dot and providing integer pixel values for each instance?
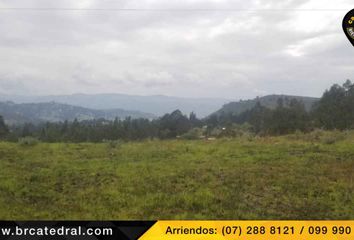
(334, 110)
(98, 130)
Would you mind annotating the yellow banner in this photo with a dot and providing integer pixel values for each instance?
(250, 230)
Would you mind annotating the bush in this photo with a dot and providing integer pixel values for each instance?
(313, 136)
(115, 143)
(194, 134)
(334, 136)
(237, 130)
(329, 140)
(320, 136)
(28, 141)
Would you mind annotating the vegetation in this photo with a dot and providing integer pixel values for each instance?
(297, 176)
(4, 130)
(28, 141)
(269, 101)
(335, 110)
(263, 163)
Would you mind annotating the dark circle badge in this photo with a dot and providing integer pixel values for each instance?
(348, 26)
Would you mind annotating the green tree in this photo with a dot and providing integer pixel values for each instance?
(288, 118)
(335, 110)
(4, 130)
(174, 124)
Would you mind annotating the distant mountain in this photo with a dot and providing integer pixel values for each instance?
(269, 101)
(157, 105)
(54, 112)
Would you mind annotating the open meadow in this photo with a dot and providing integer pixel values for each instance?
(299, 176)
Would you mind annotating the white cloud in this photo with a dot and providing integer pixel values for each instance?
(193, 53)
(233, 25)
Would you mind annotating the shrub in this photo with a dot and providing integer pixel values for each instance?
(115, 143)
(236, 130)
(193, 134)
(334, 136)
(28, 141)
(297, 135)
(320, 136)
(329, 140)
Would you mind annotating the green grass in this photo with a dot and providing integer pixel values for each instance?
(291, 177)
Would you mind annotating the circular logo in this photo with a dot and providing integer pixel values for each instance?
(348, 26)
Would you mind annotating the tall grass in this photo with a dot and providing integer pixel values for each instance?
(300, 176)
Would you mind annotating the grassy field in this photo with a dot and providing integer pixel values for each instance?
(290, 177)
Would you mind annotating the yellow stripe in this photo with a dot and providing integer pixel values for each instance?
(251, 230)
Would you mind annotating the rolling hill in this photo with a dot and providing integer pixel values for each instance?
(156, 104)
(269, 101)
(54, 112)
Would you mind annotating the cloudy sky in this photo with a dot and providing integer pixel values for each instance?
(190, 48)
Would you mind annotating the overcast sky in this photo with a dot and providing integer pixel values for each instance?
(228, 54)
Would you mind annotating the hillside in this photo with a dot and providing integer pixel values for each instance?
(269, 101)
(54, 112)
(157, 104)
